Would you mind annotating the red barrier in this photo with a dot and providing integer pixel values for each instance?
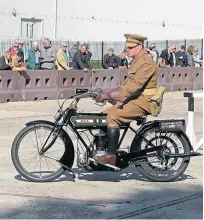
(163, 78)
(9, 86)
(105, 79)
(197, 74)
(39, 85)
(123, 75)
(68, 81)
(42, 85)
(181, 79)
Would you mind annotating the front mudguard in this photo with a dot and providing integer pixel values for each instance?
(69, 155)
(136, 143)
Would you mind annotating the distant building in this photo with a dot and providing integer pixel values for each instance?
(97, 20)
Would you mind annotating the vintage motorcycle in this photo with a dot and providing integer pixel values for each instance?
(160, 149)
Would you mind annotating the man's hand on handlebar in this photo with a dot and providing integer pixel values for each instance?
(97, 94)
(101, 97)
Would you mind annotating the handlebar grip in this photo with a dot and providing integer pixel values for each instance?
(81, 91)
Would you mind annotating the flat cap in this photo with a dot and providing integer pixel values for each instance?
(111, 49)
(183, 47)
(132, 40)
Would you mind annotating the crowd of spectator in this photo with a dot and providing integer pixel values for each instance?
(48, 58)
(172, 58)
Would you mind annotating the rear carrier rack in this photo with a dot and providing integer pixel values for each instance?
(173, 125)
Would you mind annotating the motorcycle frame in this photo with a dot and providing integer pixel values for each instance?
(71, 112)
(75, 129)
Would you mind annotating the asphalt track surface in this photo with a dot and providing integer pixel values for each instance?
(120, 195)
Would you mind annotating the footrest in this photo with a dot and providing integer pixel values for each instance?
(196, 154)
(105, 164)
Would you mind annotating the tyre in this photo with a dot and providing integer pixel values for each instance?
(157, 167)
(41, 168)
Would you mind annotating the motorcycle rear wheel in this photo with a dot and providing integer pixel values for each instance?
(157, 168)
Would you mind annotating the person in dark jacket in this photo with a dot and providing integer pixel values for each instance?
(181, 57)
(123, 61)
(169, 56)
(72, 51)
(20, 52)
(4, 61)
(33, 57)
(111, 61)
(81, 59)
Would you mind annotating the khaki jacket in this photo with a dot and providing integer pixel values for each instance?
(140, 71)
(17, 66)
(61, 60)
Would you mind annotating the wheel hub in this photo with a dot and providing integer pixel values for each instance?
(163, 155)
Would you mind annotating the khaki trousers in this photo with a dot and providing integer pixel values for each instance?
(116, 116)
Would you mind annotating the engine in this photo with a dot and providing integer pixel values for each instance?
(100, 142)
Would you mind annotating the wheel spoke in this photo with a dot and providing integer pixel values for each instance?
(37, 141)
(50, 157)
(46, 163)
(51, 162)
(32, 141)
(37, 164)
(32, 160)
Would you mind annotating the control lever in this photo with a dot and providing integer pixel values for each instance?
(98, 91)
(102, 103)
(87, 92)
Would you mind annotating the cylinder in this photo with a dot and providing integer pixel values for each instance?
(100, 141)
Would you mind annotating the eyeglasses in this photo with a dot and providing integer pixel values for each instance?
(64, 46)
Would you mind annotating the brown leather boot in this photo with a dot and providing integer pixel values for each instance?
(113, 137)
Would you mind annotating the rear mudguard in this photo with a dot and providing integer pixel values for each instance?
(68, 156)
(136, 143)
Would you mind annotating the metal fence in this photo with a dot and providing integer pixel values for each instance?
(98, 49)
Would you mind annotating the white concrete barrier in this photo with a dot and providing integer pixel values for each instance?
(190, 131)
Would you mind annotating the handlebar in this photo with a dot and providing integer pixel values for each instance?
(83, 93)
(80, 93)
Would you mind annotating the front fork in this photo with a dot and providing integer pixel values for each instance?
(44, 149)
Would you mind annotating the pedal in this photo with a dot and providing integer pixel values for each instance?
(105, 164)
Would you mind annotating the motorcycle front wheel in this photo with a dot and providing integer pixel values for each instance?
(32, 165)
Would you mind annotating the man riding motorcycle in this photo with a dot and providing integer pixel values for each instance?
(139, 87)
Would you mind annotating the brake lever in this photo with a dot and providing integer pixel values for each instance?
(101, 105)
